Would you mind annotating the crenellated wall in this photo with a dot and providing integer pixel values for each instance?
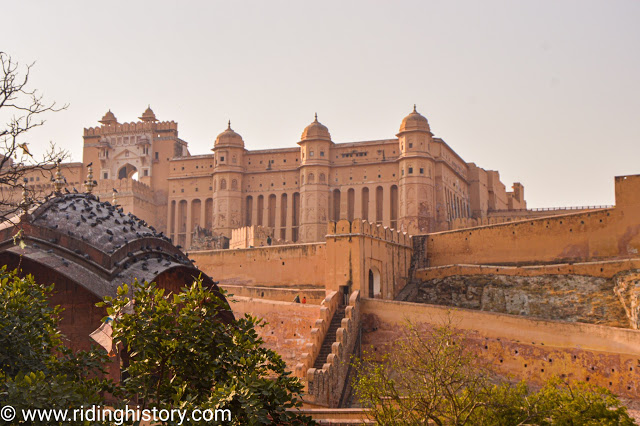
(325, 386)
(130, 127)
(250, 236)
(310, 350)
(360, 251)
(353, 250)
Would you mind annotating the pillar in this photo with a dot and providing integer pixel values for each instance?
(289, 227)
(357, 208)
(386, 206)
(189, 225)
(278, 217)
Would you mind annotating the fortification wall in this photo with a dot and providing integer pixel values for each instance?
(312, 295)
(250, 236)
(359, 251)
(611, 233)
(352, 251)
(523, 348)
(288, 325)
(325, 386)
(604, 269)
(130, 127)
(299, 266)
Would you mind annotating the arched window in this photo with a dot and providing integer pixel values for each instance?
(312, 178)
(223, 184)
(234, 184)
(322, 178)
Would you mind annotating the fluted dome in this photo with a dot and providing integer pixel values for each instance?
(229, 137)
(414, 121)
(108, 118)
(316, 130)
(148, 115)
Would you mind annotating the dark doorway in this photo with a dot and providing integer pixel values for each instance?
(370, 284)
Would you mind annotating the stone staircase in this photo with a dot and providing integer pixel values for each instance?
(329, 338)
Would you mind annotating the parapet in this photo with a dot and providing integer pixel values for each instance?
(364, 228)
(627, 190)
(140, 126)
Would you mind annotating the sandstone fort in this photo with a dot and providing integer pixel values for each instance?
(369, 234)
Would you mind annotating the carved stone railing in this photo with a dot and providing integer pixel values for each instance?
(325, 385)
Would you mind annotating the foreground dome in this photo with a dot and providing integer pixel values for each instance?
(77, 238)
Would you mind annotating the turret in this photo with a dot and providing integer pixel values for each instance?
(315, 148)
(416, 171)
(227, 181)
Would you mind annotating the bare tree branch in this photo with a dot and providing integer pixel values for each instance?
(23, 109)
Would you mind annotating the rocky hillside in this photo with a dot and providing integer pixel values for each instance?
(554, 297)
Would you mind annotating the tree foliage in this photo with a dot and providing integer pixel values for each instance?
(181, 355)
(36, 369)
(432, 378)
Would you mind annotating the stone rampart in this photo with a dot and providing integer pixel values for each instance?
(296, 266)
(605, 269)
(325, 385)
(367, 257)
(314, 296)
(521, 348)
(130, 127)
(310, 352)
(605, 234)
(288, 327)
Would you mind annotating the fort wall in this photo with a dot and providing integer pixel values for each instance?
(358, 255)
(299, 266)
(326, 385)
(288, 325)
(528, 349)
(367, 257)
(612, 233)
(604, 269)
(312, 295)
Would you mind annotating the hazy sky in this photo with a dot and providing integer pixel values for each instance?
(546, 92)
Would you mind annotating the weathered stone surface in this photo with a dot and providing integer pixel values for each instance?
(627, 287)
(574, 298)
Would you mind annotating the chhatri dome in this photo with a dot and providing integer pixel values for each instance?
(148, 115)
(108, 118)
(414, 121)
(229, 137)
(315, 131)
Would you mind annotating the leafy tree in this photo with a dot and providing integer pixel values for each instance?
(181, 355)
(431, 378)
(36, 369)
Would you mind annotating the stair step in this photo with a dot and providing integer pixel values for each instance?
(329, 338)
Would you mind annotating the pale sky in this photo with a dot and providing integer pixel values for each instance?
(546, 92)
